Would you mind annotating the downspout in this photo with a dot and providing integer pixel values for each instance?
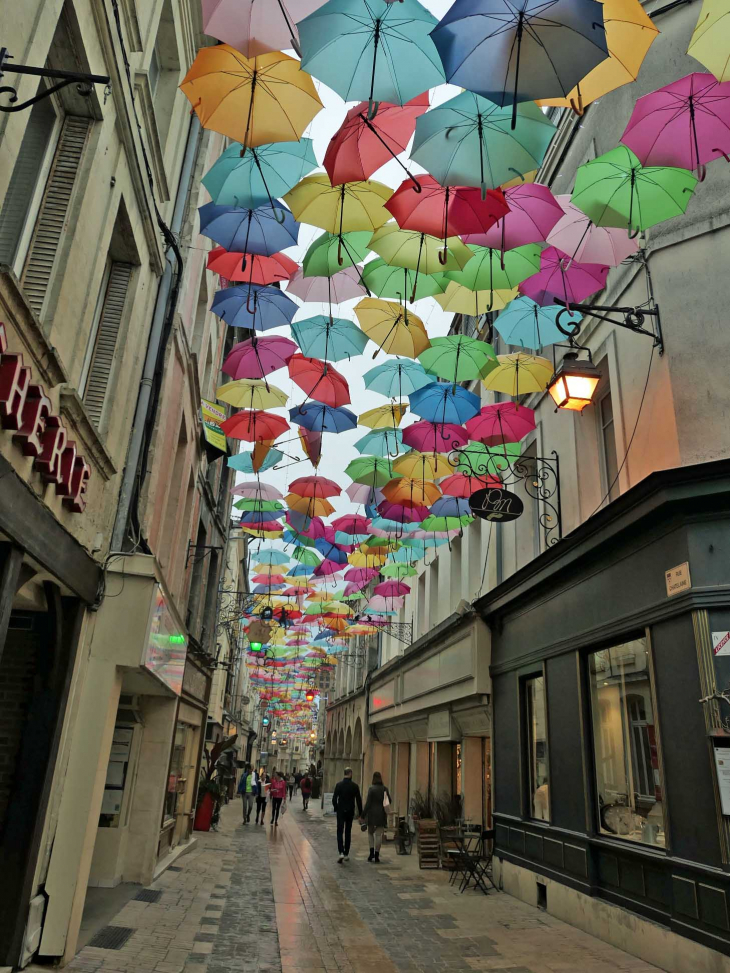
(161, 321)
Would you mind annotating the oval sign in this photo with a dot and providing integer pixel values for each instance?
(493, 503)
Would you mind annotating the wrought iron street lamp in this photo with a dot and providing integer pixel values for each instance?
(573, 384)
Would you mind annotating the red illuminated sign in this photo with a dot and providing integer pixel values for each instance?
(27, 411)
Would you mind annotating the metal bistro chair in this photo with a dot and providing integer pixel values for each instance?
(478, 866)
(458, 855)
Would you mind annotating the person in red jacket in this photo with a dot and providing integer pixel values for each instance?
(278, 795)
(305, 785)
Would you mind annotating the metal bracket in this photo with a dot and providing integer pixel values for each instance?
(192, 547)
(632, 318)
(85, 82)
(401, 631)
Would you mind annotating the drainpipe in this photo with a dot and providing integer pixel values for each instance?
(161, 318)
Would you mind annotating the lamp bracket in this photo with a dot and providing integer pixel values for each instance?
(631, 318)
(193, 547)
(84, 82)
(401, 631)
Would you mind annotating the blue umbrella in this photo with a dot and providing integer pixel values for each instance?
(299, 570)
(271, 308)
(269, 555)
(298, 521)
(342, 538)
(323, 418)
(264, 230)
(330, 339)
(243, 462)
(394, 526)
(382, 442)
(262, 589)
(442, 402)
(261, 174)
(451, 507)
(397, 378)
(261, 516)
(330, 551)
(528, 325)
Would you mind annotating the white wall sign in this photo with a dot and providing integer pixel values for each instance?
(722, 764)
(678, 579)
(721, 643)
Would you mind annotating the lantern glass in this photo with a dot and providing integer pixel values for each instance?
(573, 384)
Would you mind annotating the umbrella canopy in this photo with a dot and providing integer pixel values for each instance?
(258, 357)
(563, 279)
(361, 145)
(391, 589)
(329, 338)
(444, 402)
(255, 28)
(254, 489)
(269, 555)
(351, 524)
(321, 381)
(392, 327)
(494, 270)
(361, 493)
(470, 141)
(501, 422)
(710, 44)
(429, 437)
(383, 416)
(315, 486)
(686, 124)
(264, 230)
(322, 418)
(376, 50)
(629, 35)
(533, 212)
(462, 300)
(519, 52)
(252, 268)
(519, 373)
(397, 378)
(418, 251)
(616, 190)
(402, 514)
(441, 211)
(528, 325)
(382, 442)
(342, 286)
(422, 466)
(259, 175)
(462, 485)
(372, 471)
(401, 283)
(311, 506)
(311, 444)
(582, 240)
(339, 209)
(457, 358)
(254, 425)
(244, 462)
(251, 393)
(254, 101)
(330, 252)
(254, 306)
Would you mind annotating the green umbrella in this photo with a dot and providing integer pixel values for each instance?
(373, 471)
(445, 523)
(457, 358)
(400, 283)
(332, 252)
(305, 556)
(616, 190)
(256, 504)
(494, 270)
(418, 251)
(398, 571)
(476, 459)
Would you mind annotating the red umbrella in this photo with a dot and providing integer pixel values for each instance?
(533, 212)
(314, 486)
(254, 426)
(258, 357)
(561, 278)
(360, 145)
(434, 437)
(392, 589)
(443, 211)
(320, 380)
(251, 267)
(352, 524)
(503, 422)
(311, 444)
(461, 485)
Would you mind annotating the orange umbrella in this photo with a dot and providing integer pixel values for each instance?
(311, 506)
(411, 493)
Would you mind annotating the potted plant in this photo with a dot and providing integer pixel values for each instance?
(422, 812)
(211, 785)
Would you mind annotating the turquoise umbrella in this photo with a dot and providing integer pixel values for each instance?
(397, 377)
(261, 174)
(243, 462)
(330, 339)
(468, 141)
(527, 325)
(397, 282)
(268, 555)
(382, 442)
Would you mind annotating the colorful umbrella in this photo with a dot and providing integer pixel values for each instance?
(329, 338)
(255, 489)
(429, 437)
(563, 279)
(582, 240)
(469, 141)
(710, 44)
(457, 358)
(264, 99)
(321, 381)
(372, 471)
(418, 251)
(252, 268)
(251, 393)
(402, 514)
(361, 493)
(533, 212)
(260, 174)
(422, 466)
(269, 555)
(391, 327)
(244, 463)
(342, 286)
(401, 283)
(615, 190)
(253, 27)
(258, 357)
(375, 50)
(322, 418)
(315, 486)
(383, 416)
(253, 306)
(501, 422)
(444, 402)
(513, 53)
(339, 209)
(494, 270)
(462, 485)
(519, 373)
(330, 252)
(311, 444)
(361, 145)
(528, 325)
(381, 442)
(264, 230)
(311, 506)
(461, 300)
(397, 378)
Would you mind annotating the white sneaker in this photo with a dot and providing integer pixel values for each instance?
(347, 858)
(340, 859)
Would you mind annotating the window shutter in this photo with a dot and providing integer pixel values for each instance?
(51, 222)
(110, 321)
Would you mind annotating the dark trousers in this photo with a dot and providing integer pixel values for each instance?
(305, 799)
(260, 807)
(344, 831)
(275, 808)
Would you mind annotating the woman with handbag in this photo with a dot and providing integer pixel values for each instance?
(278, 796)
(374, 815)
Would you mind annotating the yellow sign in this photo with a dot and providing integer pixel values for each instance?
(213, 416)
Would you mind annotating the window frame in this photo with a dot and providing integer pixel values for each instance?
(611, 485)
(526, 746)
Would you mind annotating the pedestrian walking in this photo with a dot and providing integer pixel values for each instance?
(262, 796)
(346, 795)
(305, 785)
(278, 796)
(247, 788)
(297, 780)
(290, 783)
(374, 814)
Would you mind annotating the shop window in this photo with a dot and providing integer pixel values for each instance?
(628, 776)
(537, 745)
(607, 440)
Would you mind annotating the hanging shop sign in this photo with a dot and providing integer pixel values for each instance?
(494, 503)
(212, 417)
(26, 411)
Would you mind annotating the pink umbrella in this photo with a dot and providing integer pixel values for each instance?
(342, 286)
(686, 124)
(562, 279)
(253, 27)
(352, 589)
(533, 212)
(352, 524)
(502, 422)
(391, 589)
(360, 576)
(432, 437)
(312, 444)
(252, 489)
(401, 514)
(327, 568)
(582, 240)
(461, 485)
(258, 357)
(362, 493)
(379, 603)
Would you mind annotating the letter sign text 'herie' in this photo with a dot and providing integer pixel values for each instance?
(494, 503)
(27, 411)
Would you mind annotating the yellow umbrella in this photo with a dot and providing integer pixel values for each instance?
(424, 466)
(383, 417)
(251, 393)
(268, 535)
(520, 180)
(408, 490)
(360, 559)
(296, 581)
(519, 373)
(339, 209)
(319, 596)
(418, 251)
(629, 35)
(392, 327)
(253, 100)
(710, 44)
(461, 300)
(311, 506)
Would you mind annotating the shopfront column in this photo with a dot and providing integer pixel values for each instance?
(399, 786)
(472, 778)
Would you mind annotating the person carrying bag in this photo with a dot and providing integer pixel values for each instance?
(374, 815)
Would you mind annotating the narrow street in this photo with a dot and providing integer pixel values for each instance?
(276, 901)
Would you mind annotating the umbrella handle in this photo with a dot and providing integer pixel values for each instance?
(725, 156)
(372, 109)
(340, 258)
(443, 256)
(578, 109)
(701, 173)
(633, 236)
(418, 188)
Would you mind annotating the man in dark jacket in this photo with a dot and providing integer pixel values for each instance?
(344, 799)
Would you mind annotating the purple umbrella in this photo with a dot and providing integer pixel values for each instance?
(258, 357)
(686, 124)
(533, 212)
(401, 514)
(342, 286)
(257, 27)
(582, 240)
(562, 279)
(434, 437)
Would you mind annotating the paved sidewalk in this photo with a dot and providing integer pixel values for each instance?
(274, 900)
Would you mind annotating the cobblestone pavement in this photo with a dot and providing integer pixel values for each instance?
(274, 900)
